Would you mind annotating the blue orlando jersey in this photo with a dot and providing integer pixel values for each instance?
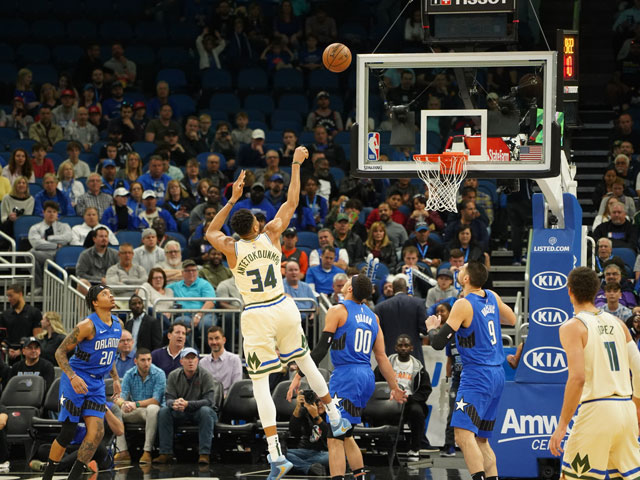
(481, 342)
(353, 341)
(95, 357)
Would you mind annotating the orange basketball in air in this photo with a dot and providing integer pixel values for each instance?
(336, 57)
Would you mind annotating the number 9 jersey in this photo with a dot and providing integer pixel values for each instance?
(481, 342)
(257, 270)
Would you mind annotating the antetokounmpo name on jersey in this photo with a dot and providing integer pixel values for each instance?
(257, 255)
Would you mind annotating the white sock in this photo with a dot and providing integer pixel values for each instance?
(273, 443)
(318, 385)
(333, 412)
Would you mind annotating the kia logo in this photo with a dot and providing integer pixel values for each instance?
(549, 316)
(547, 360)
(550, 280)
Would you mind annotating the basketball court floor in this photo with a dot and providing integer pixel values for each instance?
(443, 469)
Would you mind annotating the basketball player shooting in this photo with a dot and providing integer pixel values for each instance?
(271, 323)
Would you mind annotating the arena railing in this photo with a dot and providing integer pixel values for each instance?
(8, 239)
(592, 244)
(55, 293)
(17, 267)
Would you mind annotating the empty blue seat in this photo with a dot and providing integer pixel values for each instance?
(294, 101)
(338, 174)
(66, 56)
(288, 80)
(8, 73)
(6, 53)
(69, 8)
(353, 33)
(294, 125)
(57, 159)
(255, 115)
(44, 74)
(180, 239)
(129, 8)
(34, 8)
(141, 55)
(25, 143)
(225, 102)
(96, 147)
(91, 159)
(134, 237)
(61, 148)
(13, 29)
(273, 136)
(144, 149)
(67, 256)
(174, 77)
(174, 57)
(253, 124)
(216, 80)
(48, 30)
(99, 9)
(288, 115)
(183, 33)
(116, 31)
(82, 30)
(186, 104)
(33, 53)
(252, 80)
(151, 32)
(72, 220)
(323, 80)
(8, 134)
(23, 223)
(306, 138)
(261, 102)
(308, 239)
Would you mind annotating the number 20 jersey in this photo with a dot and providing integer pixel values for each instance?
(257, 271)
(353, 341)
(95, 357)
(481, 342)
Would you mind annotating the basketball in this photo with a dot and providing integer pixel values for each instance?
(336, 57)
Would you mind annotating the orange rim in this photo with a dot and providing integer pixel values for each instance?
(450, 163)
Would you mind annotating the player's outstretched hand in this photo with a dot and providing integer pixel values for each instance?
(293, 388)
(433, 322)
(555, 443)
(399, 395)
(238, 187)
(78, 385)
(300, 154)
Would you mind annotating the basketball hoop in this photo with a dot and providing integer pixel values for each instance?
(442, 182)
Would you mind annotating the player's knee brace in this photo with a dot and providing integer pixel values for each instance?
(67, 433)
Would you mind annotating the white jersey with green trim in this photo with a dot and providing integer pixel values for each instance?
(257, 271)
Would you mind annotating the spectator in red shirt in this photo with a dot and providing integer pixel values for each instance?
(290, 252)
(41, 163)
(394, 200)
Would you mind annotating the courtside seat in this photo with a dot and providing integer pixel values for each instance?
(46, 427)
(238, 420)
(284, 408)
(380, 417)
(23, 399)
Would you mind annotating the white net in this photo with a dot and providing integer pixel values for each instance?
(442, 174)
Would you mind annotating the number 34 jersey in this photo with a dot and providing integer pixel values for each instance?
(257, 270)
(95, 357)
(353, 341)
(481, 342)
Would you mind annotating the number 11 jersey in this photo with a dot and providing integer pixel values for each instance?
(481, 342)
(257, 270)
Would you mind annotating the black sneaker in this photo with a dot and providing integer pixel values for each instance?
(317, 469)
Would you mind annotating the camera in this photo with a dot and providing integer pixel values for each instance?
(310, 397)
(18, 211)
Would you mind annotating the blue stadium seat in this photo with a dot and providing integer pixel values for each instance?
(57, 159)
(99, 9)
(141, 55)
(255, 115)
(288, 80)
(144, 149)
(294, 101)
(186, 104)
(13, 29)
(323, 80)
(259, 101)
(66, 56)
(67, 257)
(23, 223)
(33, 53)
(174, 77)
(61, 148)
(627, 255)
(225, 102)
(338, 174)
(25, 143)
(34, 8)
(116, 30)
(253, 124)
(130, 8)
(8, 73)
(96, 147)
(8, 134)
(342, 137)
(91, 159)
(44, 74)
(174, 57)
(308, 239)
(296, 126)
(336, 103)
(214, 80)
(69, 9)
(352, 33)
(82, 30)
(306, 138)
(134, 237)
(180, 238)
(252, 80)
(217, 117)
(72, 220)
(48, 30)
(35, 188)
(273, 136)
(184, 34)
(152, 33)
(6, 53)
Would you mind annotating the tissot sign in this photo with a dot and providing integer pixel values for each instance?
(469, 6)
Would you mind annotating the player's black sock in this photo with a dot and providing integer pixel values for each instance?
(337, 477)
(49, 470)
(77, 470)
(360, 474)
(492, 478)
(479, 476)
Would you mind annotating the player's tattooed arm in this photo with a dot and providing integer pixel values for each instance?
(82, 331)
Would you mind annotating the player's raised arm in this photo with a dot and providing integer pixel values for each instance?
(215, 236)
(281, 221)
(83, 331)
(439, 336)
(507, 316)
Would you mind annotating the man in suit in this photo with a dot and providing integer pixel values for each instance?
(146, 331)
(402, 314)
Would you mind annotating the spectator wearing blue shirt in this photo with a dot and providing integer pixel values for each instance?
(109, 181)
(126, 355)
(111, 106)
(320, 277)
(296, 288)
(162, 98)
(120, 216)
(193, 286)
(155, 179)
(51, 192)
(276, 195)
(168, 358)
(318, 205)
(140, 401)
(152, 211)
(256, 203)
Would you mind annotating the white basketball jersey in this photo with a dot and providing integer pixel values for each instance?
(257, 270)
(606, 364)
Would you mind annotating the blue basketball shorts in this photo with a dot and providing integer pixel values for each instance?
(74, 405)
(477, 399)
(353, 387)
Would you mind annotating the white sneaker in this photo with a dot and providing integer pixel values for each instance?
(413, 456)
(4, 467)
